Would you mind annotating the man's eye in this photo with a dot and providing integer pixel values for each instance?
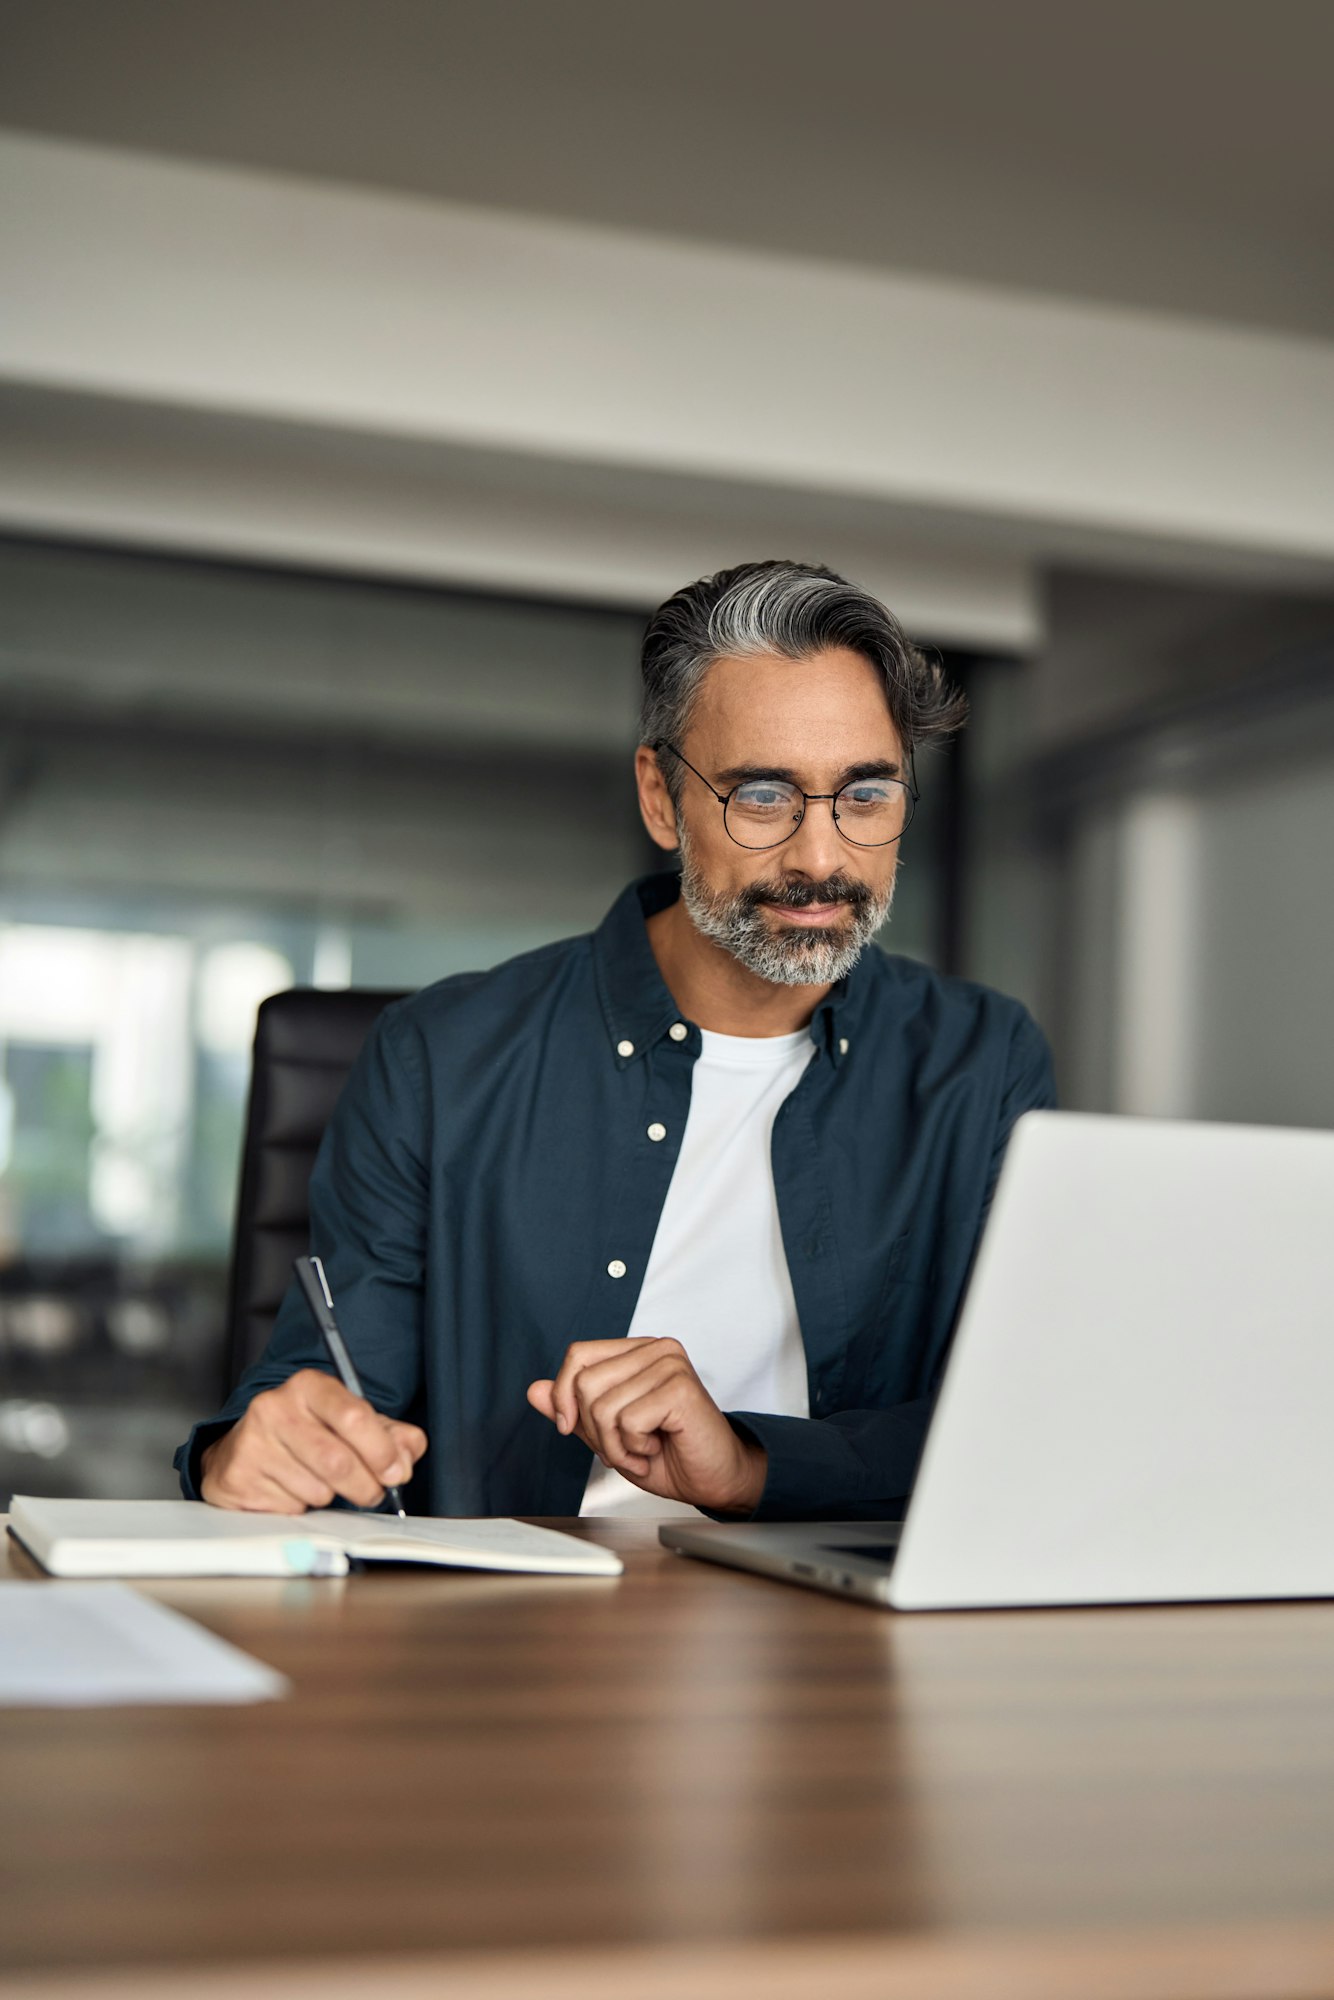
(869, 792)
(763, 795)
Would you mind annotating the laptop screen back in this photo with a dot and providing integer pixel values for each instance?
(1139, 1402)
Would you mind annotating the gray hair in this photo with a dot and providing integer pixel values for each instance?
(791, 608)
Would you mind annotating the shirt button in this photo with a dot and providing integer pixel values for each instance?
(843, 1046)
(657, 1132)
(616, 1268)
(678, 1031)
(625, 1048)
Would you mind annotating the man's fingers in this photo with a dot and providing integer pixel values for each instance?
(591, 1366)
(335, 1462)
(369, 1435)
(603, 1404)
(281, 1491)
(542, 1396)
(276, 1496)
(601, 1379)
(410, 1436)
(618, 1357)
(388, 1445)
(252, 1490)
(642, 1420)
(311, 1488)
(306, 1442)
(345, 1455)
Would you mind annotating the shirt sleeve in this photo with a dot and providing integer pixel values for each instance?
(368, 1221)
(860, 1464)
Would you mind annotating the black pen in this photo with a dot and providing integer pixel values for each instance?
(311, 1278)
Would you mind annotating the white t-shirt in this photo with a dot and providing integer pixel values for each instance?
(717, 1277)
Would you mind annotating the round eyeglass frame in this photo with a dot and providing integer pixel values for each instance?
(725, 799)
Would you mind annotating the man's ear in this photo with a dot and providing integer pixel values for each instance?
(655, 801)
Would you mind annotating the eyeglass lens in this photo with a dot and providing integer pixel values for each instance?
(869, 812)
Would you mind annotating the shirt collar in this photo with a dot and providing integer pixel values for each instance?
(637, 1008)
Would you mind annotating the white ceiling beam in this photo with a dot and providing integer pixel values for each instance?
(109, 470)
(964, 410)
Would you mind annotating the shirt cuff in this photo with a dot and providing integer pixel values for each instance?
(188, 1455)
(808, 1466)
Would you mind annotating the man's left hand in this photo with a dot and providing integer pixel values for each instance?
(642, 1408)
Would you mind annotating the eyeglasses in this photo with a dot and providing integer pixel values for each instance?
(764, 812)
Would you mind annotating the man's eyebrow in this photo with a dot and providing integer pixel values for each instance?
(745, 774)
(881, 767)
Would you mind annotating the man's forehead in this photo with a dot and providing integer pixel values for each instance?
(769, 701)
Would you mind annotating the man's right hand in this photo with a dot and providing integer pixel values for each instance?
(300, 1444)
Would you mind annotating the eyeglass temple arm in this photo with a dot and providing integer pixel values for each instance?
(722, 797)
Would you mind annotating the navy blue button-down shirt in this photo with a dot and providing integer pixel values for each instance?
(489, 1168)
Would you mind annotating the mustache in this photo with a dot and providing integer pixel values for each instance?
(801, 895)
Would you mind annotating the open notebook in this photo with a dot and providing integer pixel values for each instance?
(186, 1538)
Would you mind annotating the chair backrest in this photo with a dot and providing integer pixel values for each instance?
(305, 1044)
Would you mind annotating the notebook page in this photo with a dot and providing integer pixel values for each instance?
(489, 1543)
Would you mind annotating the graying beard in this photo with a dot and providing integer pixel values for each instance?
(795, 958)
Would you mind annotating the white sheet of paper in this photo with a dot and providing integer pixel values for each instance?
(86, 1645)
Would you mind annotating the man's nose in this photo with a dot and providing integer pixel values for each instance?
(817, 847)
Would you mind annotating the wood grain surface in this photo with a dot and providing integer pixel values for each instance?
(538, 1780)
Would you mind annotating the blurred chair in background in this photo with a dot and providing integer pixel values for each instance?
(306, 1041)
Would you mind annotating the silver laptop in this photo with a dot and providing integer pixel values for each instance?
(1139, 1404)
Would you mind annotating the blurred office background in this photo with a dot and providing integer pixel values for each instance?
(367, 371)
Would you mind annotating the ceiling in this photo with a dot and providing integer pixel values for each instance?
(1163, 154)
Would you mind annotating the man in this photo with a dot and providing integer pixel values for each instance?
(678, 1215)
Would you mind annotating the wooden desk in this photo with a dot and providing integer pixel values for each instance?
(686, 1782)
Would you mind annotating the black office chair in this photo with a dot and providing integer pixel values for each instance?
(305, 1044)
